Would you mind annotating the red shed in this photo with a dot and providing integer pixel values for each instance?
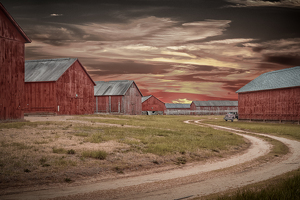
(118, 97)
(59, 86)
(152, 106)
(177, 109)
(213, 107)
(12, 40)
(271, 96)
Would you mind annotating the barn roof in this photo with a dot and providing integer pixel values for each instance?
(48, 69)
(15, 23)
(284, 78)
(109, 88)
(216, 103)
(146, 98)
(177, 105)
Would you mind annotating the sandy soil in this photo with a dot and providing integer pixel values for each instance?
(189, 181)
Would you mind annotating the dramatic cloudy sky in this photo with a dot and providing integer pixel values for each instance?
(176, 50)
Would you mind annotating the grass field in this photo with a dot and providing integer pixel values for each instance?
(100, 145)
(291, 131)
(49, 152)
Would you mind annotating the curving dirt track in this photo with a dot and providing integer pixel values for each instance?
(187, 182)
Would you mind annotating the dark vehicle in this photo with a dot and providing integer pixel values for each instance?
(231, 116)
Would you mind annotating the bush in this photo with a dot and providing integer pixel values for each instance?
(95, 154)
(71, 151)
(59, 150)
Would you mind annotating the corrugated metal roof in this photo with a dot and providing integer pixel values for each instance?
(216, 103)
(177, 105)
(108, 88)
(274, 80)
(46, 70)
(27, 39)
(145, 98)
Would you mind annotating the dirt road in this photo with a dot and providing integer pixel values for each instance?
(189, 181)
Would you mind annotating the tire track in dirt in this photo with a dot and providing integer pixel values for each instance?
(122, 186)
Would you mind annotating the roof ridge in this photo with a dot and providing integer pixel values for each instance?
(52, 59)
(281, 70)
(15, 23)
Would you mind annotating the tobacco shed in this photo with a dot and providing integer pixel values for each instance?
(118, 97)
(60, 86)
(152, 106)
(220, 107)
(271, 96)
(177, 109)
(12, 45)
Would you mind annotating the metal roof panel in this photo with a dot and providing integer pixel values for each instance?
(216, 103)
(46, 70)
(177, 105)
(283, 78)
(108, 88)
(146, 98)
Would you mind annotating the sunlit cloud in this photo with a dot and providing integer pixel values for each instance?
(56, 15)
(182, 101)
(200, 61)
(164, 55)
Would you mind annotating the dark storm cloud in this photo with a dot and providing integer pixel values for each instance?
(234, 85)
(263, 24)
(292, 60)
(127, 67)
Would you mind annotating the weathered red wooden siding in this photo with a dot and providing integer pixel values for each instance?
(133, 101)
(279, 104)
(60, 97)
(102, 104)
(153, 104)
(75, 92)
(11, 70)
(193, 106)
(40, 97)
(212, 110)
(109, 104)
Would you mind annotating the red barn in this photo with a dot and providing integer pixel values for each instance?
(271, 96)
(118, 97)
(177, 109)
(213, 107)
(59, 86)
(152, 105)
(12, 45)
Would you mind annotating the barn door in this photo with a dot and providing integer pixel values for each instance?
(133, 108)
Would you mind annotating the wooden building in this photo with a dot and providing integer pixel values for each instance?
(213, 107)
(152, 106)
(271, 96)
(59, 86)
(118, 97)
(177, 109)
(12, 45)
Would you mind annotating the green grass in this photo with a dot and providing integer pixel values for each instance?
(175, 137)
(59, 150)
(95, 154)
(20, 125)
(16, 145)
(284, 190)
(291, 131)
